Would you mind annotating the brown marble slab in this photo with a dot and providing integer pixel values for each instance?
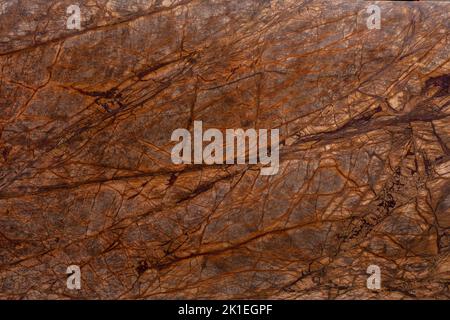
(86, 176)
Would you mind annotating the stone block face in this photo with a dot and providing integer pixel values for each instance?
(88, 107)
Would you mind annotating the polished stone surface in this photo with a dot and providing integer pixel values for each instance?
(86, 176)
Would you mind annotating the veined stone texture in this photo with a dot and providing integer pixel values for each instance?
(86, 177)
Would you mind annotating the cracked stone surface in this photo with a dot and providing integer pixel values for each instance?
(86, 176)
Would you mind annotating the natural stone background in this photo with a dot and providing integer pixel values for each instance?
(85, 170)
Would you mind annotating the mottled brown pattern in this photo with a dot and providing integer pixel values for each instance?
(86, 176)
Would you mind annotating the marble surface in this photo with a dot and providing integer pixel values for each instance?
(86, 176)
